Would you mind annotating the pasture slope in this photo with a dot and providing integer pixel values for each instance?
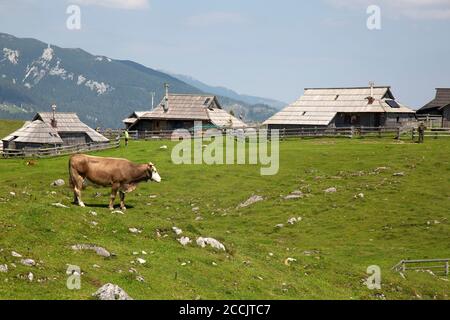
(338, 238)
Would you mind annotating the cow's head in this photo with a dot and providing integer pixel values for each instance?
(154, 175)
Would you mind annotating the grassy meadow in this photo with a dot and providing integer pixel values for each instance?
(340, 235)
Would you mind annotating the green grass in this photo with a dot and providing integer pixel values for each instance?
(9, 126)
(347, 234)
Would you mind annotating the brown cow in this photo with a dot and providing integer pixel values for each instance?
(122, 175)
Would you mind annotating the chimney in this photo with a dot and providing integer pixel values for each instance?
(53, 121)
(371, 97)
(166, 98)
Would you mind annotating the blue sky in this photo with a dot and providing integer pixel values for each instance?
(265, 48)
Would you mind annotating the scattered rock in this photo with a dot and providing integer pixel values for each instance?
(28, 262)
(164, 148)
(279, 226)
(60, 205)
(98, 250)
(15, 254)
(140, 279)
(195, 209)
(58, 183)
(399, 174)
(3, 268)
(93, 213)
(294, 195)
(184, 241)
(177, 231)
(288, 261)
(252, 200)
(111, 292)
(118, 212)
(294, 220)
(141, 261)
(30, 276)
(13, 194)
(360, 196)
(202, 242)
(381, 169)
(331, 190)
(134, 230)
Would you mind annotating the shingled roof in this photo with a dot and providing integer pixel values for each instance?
(318, 106)
(441, 100)
(35, 132)
(69, 122)
(193, 107)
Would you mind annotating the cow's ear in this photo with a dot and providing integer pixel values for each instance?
(150, 165)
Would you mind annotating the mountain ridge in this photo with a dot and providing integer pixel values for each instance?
(103, 91)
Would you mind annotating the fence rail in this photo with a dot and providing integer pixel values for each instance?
(58, 151)
(438, 265)
(347, 132)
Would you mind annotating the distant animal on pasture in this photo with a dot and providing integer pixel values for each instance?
(121, 175)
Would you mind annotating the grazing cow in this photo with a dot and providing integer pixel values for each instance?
(121, 175)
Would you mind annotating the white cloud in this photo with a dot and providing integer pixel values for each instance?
(117, 4)
(413, 9)
(216, 18)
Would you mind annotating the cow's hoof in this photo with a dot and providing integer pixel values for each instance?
(82, 205)
(111, 208)
(123, 208)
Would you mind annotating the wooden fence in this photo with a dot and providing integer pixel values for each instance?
(58, 151)
(437, 266)
(314, 132)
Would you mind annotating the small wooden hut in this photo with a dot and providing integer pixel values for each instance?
(439, 106)
(181, 111)
(53, 129)
(344, 107)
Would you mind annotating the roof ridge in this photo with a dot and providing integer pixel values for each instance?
(342, 88)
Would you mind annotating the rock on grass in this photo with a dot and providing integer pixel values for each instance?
(252, 200)
(98, 250)
(111, 292)
(203, 242)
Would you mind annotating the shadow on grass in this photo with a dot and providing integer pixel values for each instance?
(106, 206)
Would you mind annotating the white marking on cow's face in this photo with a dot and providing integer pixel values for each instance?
(155, 175)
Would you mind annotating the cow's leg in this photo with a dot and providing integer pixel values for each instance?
(115, 188)
(122, 200)
(77, 181)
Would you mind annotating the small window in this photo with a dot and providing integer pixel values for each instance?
(303, 113)
(337, 97)
(207, 101)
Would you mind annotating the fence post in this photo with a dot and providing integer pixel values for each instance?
(447, 268)
(413, 133)
(398, 134)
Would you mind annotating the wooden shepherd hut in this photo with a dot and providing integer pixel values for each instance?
(181, 111)
(53, 129)
(344, 107)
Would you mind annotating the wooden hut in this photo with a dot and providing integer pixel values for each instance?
(343, 107)
(70, 128)
(180, 111)
(36, 134)
(439, 106)
(52, 129)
